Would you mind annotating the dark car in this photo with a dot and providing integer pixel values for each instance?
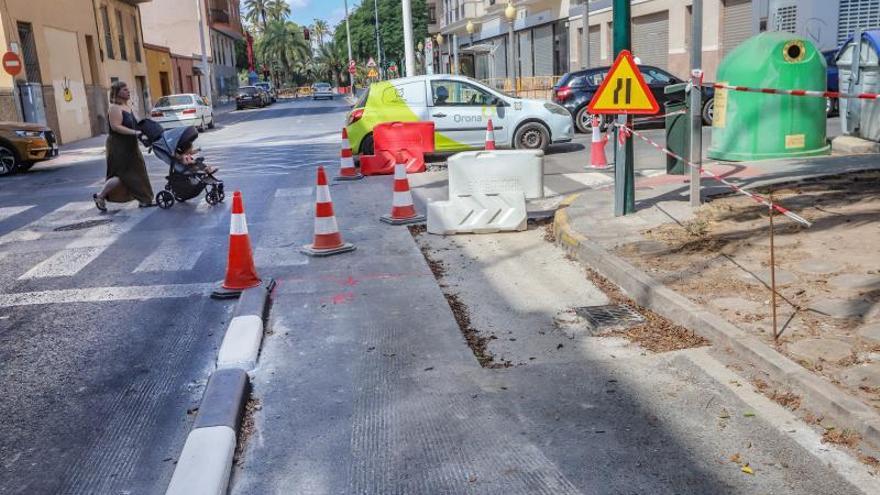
(249, 96)
(831, 104)
(575, 90)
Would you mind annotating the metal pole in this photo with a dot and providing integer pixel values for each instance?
(624, 173)
(408, 48)
(511, 60)
(773, 270)
(585, 42)
(853, 82)
(455, 53)
(696, 100)
(348, 38)
(206, 79)
(378, 43)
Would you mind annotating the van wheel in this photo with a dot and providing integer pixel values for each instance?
(8, 161)
(367, 145)
(531, 136)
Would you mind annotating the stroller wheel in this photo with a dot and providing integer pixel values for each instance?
(164, 199)
(212, 198)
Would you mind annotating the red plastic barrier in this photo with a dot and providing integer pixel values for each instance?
(399, 142)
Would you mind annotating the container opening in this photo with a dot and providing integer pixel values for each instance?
(794, 52)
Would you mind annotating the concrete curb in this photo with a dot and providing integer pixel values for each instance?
(205, 463)
(817, 393)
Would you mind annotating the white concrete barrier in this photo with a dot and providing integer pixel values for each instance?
(478, 213)
(497, 171)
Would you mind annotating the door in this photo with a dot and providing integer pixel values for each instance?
(461, 111)
(67, 84)
(143, 96)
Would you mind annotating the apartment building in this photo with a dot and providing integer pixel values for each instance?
(173, 25)
(224, 19)
(121, 48)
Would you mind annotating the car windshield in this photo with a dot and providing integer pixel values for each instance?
(247, 90)
(174, 101)
(263, 85)
(322, 86)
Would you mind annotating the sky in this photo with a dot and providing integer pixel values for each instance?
(304, 12)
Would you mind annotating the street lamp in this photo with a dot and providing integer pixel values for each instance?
(510, 14)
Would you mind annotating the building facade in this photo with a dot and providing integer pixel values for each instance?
(121, 48)
(159, 71)
(225, 22)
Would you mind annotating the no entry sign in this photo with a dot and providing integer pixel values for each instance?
(11, 63)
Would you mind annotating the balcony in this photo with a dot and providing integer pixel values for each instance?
(220, 16)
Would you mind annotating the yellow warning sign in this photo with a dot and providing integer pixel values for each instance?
(624, 90)
(372, 73)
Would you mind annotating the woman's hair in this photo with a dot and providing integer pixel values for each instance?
(115, 88)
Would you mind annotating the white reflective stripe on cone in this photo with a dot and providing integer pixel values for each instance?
(403, 198)
(399, 171)
(596, 134)
(238, 224)
(347, 162)
(323, 195)
(325, 225)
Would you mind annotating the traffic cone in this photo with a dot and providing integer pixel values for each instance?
(327, 239)
(597, 148)
(346, 162)
(490, 136)
(402, 209)
(240, 271)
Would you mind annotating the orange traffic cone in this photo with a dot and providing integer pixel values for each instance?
(403, 211)
(490, 136)
(240, 271)
(327, 239)
(597, 147)
(346, 162)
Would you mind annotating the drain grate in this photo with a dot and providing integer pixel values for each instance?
(83, 225)
(614, 315)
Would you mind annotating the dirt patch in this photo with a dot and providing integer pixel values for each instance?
(657, 334)
(246, 429)
(827, 283)
(847, 438)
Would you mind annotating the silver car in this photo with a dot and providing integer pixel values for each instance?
(322, 90)
(182, 111)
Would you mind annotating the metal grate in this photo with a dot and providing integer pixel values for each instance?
(786, 19)
(83, 225)
(614, 315)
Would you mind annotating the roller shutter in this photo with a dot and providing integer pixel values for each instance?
(500, 59)
(736, 24)
(525, 54)
(854, 14)
(543, 37)
(650, 39)
(595, 45)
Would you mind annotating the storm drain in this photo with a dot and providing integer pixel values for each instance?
(83, 225)
(592, 320)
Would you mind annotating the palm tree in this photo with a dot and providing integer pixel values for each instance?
(320, 29)
(331, 61)
(277, 10)
(283, 45)
(256, 12)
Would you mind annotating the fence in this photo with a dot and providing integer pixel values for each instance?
(539, 87)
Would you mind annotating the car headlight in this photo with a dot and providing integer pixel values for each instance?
(558, 110)
(29, 133)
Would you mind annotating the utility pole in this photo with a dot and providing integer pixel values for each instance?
(348, 38)
(624, 173)
(408, 47)
(206, 72)
(585, 41)
(455, 54)
(378, 43)
(696, 100)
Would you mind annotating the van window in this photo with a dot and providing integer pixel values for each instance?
(458, 93)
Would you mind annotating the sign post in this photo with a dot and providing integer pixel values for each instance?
(624, 173)
(12, 66)
(352, 67)
(429, 56)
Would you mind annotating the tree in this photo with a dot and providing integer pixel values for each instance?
(277, 10)
(363, 34)
(331, 61)
(282, 45)
(257, 12)
(320, 29)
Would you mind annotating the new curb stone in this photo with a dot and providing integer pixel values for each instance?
(818, 394)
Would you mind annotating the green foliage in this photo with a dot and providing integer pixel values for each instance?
(282, 48)
(363, 31)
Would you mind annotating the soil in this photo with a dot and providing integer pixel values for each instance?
(246, 429)
(721, 259)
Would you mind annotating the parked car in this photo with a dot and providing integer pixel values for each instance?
(24, 144)
(183, 111)
(460, 108)
(267, 86)
(249, 96)
(267, 98)
(322, 90)
(832, 105)
(575, 90)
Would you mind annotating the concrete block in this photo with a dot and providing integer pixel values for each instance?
(498, 171)
(254, 301)
(853, 145)
(478, 213)
(241, 344)
(205, 462)
(223, 399)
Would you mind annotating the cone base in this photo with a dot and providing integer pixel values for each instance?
(600, 167)
(338, 178)
(309, 250)
(402, 221)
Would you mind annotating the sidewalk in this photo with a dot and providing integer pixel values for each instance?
(626, 250)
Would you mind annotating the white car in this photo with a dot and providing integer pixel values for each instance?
(322, 90)
(183, 111)
(460, 108)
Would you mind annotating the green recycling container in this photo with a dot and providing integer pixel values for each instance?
(678, 128)
(758, 126)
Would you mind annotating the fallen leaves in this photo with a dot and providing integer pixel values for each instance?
(844, 437)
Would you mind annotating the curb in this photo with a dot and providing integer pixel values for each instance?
(205, 462)
(818, 394)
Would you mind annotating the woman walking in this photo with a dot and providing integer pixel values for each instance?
(127, 177)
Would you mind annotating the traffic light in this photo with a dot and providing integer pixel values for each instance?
(306, 33)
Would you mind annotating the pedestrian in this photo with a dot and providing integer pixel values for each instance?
(127, 177)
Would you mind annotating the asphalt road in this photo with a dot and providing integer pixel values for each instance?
(106, 336)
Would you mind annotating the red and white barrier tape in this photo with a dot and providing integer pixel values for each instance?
(799, 92)
(757, 197)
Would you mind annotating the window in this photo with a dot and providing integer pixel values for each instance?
(432, 14)
(657, 76)
(29, 49)
(137, 38)
(123, 54)
(108, 35)
(456, 93)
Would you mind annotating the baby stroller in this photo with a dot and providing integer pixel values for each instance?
(184, 182)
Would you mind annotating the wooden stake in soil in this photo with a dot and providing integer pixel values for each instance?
(773, 271)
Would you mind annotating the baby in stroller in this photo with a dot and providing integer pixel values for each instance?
(188, 175)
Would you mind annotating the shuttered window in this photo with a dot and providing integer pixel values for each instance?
(543, 54)
(29, 52)
(736, 24)
(650, 39)
(855, 14)
(595, 45)
(525, 54)
(500, 58)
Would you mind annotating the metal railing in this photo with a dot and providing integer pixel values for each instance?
(538, 87)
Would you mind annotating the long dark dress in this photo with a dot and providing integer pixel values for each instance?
(125, 161)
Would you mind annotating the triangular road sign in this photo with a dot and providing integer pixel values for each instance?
(624, 90)
(371, 62)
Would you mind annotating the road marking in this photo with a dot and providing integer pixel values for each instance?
(169, 257)
(293, 192)
(105, 294)
(64, 263)
(45, 224)
(9, 211)
(590, 179)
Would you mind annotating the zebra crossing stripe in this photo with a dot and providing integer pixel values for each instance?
(10, 211)
(169, 257)
(105, 294)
